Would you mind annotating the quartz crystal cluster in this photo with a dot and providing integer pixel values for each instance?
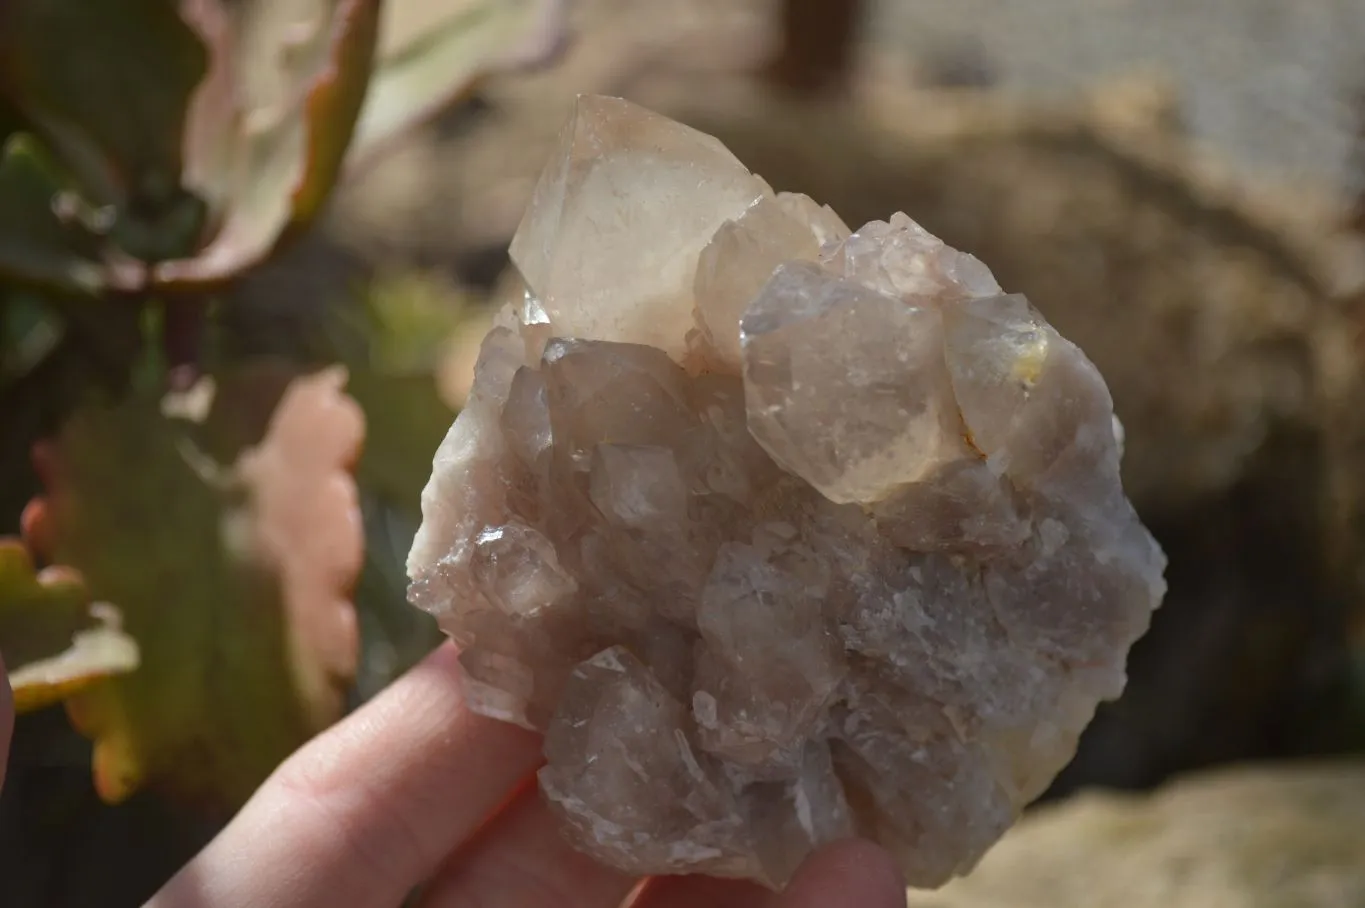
(780, 533)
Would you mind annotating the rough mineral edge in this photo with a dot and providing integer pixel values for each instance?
(779, 532)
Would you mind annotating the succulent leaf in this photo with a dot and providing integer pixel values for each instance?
(431, 53)
(54, 642)
(267, 130)
(247, 634)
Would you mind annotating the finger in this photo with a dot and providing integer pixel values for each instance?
(521, 860)
(367, 809)
(699, 891)
(849, 874)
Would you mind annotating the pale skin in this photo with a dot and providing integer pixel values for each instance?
(413, 789)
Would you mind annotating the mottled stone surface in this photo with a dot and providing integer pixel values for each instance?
(780, 532)
(1286, 836)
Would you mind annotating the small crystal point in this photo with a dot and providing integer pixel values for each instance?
(638, 485)
(770, 663)
(741, 257)
(895, 420)
(901, 258)
(780, 532)
(624, 773)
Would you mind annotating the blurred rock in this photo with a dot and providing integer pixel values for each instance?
(1244, 838)
(1269, 83)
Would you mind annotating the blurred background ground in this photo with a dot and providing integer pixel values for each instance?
(1273, 84)
(1272, 88)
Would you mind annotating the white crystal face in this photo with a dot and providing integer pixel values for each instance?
(780, 533)
(618, 272)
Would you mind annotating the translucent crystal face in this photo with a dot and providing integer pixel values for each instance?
(780, 532)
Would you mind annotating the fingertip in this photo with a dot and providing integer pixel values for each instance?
(854, 872)
(443, 659)
(371, 806)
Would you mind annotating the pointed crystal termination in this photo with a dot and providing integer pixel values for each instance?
(625, 272)
(744, 253)
(779, 532)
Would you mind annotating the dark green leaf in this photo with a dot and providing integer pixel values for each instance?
(247, 645)
(29, 333)
(406, 420)
(394, 636)
(107, 84)
(36, 245)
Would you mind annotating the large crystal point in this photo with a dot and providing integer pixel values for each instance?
(780, 533)
(610, 242)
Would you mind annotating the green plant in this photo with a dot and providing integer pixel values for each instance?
(193, 537)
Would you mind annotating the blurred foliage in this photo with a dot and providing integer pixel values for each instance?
(205, 564)
(56, 643)
(430, 53)
(228, 685)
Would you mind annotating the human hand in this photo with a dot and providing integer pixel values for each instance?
(413, 788)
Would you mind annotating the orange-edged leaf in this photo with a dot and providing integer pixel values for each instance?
(54, 642)
(303, 523)
(431, 52)
(233, 574)
(333, 109)
(96, 653)
(268, 128)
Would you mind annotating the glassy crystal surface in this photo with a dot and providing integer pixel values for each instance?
(780, 533)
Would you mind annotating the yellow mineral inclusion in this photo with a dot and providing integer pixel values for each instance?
(1028, 365)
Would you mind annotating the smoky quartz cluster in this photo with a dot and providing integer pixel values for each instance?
(780, 532)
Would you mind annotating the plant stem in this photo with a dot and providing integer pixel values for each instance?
(183, 339)
(818, 46)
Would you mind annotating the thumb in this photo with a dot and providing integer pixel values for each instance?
(849, 874)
